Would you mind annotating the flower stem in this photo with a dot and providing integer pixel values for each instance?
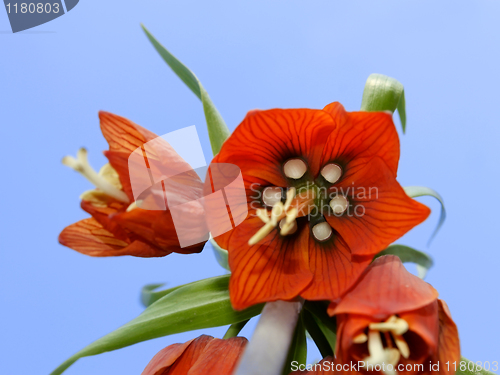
(268, 348)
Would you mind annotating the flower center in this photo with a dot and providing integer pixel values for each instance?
(304, 201)
(393, 330)
(106, 181)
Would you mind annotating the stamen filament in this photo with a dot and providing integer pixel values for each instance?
(82, 166)
(402, 345)
(278, 212)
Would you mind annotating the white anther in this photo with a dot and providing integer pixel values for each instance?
(295, 168)
(339, 204)
(396, 326)
(360, 339)
(331, 172)
(271, 195)
(81, 165)
(322, 231)
(287, 228)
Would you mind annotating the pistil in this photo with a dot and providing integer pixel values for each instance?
(99, 180)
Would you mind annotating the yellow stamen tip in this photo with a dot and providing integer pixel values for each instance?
(360, 339)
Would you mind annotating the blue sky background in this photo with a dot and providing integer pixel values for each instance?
(249, 54)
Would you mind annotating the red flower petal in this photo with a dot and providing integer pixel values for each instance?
(338, 113)
(177, 358)
(384, 289)
(122, 134)
(380, 210)
(102, 215)
(157, 227)
(277, 268)
(266, 139)
(360, 137)
(334, 269)
(89, 237)
(424, 322)
(449, 344)
(220, 357)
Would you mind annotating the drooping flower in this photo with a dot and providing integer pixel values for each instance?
(392, 322)
(322, 200)
(118, 226)
(204, 355)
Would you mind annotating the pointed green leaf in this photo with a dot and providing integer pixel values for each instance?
(410, 255)
(220, 254)
(202, 304)
(420, 191)
(317, 334)
(327, 325)
(384, 93)
(467, 367)
(149, 294)
(217, 128)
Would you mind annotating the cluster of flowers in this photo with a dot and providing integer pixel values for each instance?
(296, 159)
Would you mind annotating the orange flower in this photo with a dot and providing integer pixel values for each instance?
(202, 356)
(323, 200)
(118, 226)
(392, 318)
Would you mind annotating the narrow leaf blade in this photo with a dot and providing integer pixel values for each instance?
(199, 305)
(217, 128)
(420, 191)
(298, 347)
(383, 93)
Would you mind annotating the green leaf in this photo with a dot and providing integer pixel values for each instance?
(317, 334)
(420, 191)
(217, 128)
(467, 367)
(408, 254)
(199, 305)
(298, 347)
(326, 324)
(384, 93)
(149, 295)
(220, 255)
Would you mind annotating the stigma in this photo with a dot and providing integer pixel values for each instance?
(106, 181)
(393, 330)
